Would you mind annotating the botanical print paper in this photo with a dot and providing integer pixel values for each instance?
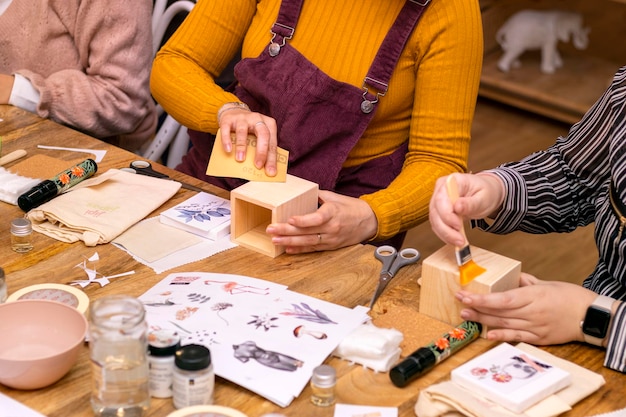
(262, 336)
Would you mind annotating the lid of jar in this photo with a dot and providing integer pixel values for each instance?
(324, 376)
(163, 342)
(192, 357)
(21, 226)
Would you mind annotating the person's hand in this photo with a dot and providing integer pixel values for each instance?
(6, 86)
(538, 312)
(340, 221)
(244, 122)
(480, 195)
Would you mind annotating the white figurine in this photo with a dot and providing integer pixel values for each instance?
(535, 29)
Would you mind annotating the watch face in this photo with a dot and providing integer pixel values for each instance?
(596, 322)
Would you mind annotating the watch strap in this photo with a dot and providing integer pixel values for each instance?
(601, 302)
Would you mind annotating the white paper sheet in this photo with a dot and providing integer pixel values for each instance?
(12, 408)
(250, 327)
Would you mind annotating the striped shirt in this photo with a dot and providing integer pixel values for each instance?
(567, 185)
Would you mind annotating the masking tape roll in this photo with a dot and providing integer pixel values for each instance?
(208, 410)
(65, 294)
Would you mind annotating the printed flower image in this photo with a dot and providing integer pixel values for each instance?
(264, 321)
(480, 372)
(501, 377)
(202, 212)
(442, 343)
(64, 178)
(458, 334)
(78, 171)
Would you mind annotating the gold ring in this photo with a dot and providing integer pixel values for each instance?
(319, 238)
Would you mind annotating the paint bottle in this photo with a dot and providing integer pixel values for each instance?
(162, 346)
(21, 235)
(194, 379)
(323, 386)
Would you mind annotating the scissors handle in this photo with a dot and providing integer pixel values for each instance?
(145, 168)
(405, 257)
(386, 254)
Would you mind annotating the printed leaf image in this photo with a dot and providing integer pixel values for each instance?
(307, 313)
(202, 212)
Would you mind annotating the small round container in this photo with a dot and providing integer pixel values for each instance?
(323, 386)
(21, 235)
(162, 346)
(206, 411)
(194, 379)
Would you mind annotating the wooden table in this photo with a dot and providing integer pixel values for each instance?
(346, 277)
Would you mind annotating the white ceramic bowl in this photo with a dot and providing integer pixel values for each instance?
(40, 342)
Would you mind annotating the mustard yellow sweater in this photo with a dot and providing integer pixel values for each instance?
(431, 97)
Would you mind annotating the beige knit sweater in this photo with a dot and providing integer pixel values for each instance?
(90, 61)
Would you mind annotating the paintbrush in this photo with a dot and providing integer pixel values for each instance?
(468, 269)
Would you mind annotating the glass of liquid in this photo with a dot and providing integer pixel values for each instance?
(118, 350)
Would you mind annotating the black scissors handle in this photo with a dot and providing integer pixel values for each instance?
(145, 168)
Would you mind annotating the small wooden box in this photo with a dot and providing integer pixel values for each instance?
(255, 205)
(441, 280)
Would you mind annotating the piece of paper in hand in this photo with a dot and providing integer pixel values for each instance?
(223, 164)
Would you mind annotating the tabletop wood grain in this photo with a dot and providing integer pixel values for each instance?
(347, 277)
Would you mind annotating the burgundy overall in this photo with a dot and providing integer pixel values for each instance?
(319, 119)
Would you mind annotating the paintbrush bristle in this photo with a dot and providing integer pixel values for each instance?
(470, 270)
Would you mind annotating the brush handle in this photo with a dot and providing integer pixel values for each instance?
(453, 193)
(13, 156)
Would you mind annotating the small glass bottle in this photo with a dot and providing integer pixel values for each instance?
(3, 287)
(162, 346)
(323, 385)
(118, 351)
(21, 235)
(194, 379)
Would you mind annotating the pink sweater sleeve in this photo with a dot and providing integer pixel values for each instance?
(108, 95)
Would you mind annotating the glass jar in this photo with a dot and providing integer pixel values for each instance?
(21, 235)
(162, 346)
(3, 287)
(194, 379)
(323, 386)
(119, 357)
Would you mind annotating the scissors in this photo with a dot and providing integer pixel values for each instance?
(392, 261)
(145, 168)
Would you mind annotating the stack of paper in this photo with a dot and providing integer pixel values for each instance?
(261, 335)
(204, 214)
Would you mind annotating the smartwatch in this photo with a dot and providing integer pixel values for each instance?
(595, 326)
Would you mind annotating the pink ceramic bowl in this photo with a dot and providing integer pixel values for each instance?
(40, 342)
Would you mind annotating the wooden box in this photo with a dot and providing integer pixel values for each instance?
(255, 205)
(441, 280)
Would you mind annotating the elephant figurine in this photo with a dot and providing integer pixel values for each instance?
(540, 29)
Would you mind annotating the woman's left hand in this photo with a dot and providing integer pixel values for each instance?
(340, 221)
(538, 312)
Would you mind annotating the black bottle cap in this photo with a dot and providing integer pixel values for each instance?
(36, 196)
(192, 357)
(413, 366)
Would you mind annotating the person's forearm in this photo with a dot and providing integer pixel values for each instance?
(6, 85)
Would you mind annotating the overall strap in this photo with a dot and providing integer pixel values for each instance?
(285, 25)
(389, 53)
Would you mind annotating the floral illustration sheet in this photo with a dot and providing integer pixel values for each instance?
(262, 336)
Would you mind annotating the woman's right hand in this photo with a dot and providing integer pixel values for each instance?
(480, 195)
(243, 122)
